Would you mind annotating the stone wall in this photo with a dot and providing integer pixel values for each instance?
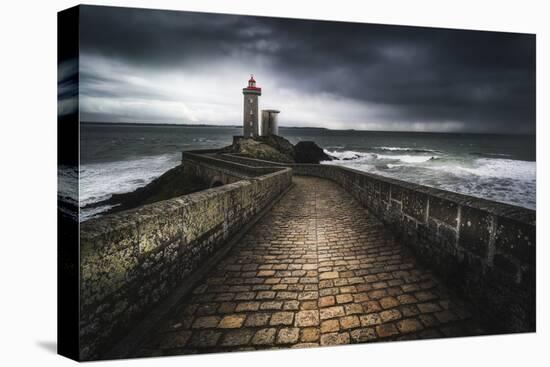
(236, 158)
(208, 172)
(132, 259)
(211, 168)
(485, 249)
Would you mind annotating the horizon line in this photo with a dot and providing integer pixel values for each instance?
(299, 127)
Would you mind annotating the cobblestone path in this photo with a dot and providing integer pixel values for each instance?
(318, 269)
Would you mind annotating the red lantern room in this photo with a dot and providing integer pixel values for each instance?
(252, 84)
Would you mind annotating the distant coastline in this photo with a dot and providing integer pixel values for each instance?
(154, 124)
(149, 124)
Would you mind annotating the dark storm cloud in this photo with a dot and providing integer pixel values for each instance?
(67, 86)
(481, 81)
(163, 38)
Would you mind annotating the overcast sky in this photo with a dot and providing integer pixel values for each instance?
(181, 67)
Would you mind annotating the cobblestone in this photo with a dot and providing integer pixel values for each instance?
(264, 336)
(318, 269)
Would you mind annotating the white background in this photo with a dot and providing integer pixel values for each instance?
(28, 109)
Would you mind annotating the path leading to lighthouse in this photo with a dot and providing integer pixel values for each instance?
(318, 269)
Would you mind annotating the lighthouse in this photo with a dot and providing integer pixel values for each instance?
(250, 117)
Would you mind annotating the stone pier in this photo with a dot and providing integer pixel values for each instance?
(295, 255)
(318, 269)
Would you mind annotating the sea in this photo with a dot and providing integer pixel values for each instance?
(119, 158)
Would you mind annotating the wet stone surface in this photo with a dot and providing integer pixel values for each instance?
(318, 269)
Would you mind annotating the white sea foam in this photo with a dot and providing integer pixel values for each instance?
(407, 158)
(391, 148)
(67, 184)
(504, 180)
(99, 181)
(503, 168)
(390, 165)
(405, 149)
(350, 154)
(515, 192)
(90, 213)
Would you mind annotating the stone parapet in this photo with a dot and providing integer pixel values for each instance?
(485, 249)
(131, 260)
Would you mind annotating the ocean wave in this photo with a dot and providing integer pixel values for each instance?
(504, 180)
(404, 149)
(390, 165)
(99, 181)
(503, 168)
(351, 155)
(407, 158)
(490, 155)
(67, 184)
(348, 155)
(504, 190)
(89, 213)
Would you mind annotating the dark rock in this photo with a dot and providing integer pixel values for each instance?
(278, 142)
(277, 149)
(258, 150)
(171, 184)
(355, 156)
(309, 152)
(269, 148)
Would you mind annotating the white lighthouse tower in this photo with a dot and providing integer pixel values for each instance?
(250, 117)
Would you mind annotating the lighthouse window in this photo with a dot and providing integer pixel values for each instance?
(251, 112)
(250, 100)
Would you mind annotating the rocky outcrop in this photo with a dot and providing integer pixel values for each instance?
(263, 148)
(278, 142)
(171, 184)
(309, 152)
(277, 149)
